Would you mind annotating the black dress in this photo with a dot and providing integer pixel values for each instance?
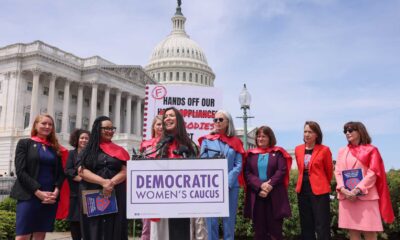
(71, 171)
(110, 226)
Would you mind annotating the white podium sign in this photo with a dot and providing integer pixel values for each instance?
(177, 188)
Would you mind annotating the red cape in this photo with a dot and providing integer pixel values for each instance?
(149, 144)
(234, 143)
(369, 156)
(285, 154)
(63, 204)
(115, 151)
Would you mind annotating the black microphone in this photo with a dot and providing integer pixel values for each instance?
(182, 151)
(162, 143)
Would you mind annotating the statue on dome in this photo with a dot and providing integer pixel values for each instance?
(179, 3)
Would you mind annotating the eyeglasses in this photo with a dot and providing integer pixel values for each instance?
(109, 129)
(350, 130)
(218, 120)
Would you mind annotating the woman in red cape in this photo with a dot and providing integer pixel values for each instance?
(39, 178)
(222, 142)
(363, 204)
(147, 149)
(267, 177)
(103, 166)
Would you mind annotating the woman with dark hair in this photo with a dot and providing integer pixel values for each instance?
(365, 199)
(78, 140)
(40, 175)
(148, 149)
(223, 142)
(174, 137)
(267, 178)
(103, 166)
(314, 162)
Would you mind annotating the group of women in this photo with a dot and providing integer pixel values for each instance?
(97, 163)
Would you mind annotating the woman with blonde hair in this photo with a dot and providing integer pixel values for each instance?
(40, 175)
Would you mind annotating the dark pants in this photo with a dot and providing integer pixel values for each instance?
(314, 213)
(76, 230)
(179, 228)
(266, 227)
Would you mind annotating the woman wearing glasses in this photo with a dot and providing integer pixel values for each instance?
(174, 137)
(103, 166)
(314, 162)
(223, 142)
(361, 185)
(267, 178)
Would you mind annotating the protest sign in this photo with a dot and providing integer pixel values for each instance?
(197, 105)
(177, 188)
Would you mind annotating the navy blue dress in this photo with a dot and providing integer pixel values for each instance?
(32, 215)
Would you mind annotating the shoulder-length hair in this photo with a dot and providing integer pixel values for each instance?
(75, 135)
(361, 129)
(230, 130)
(267, 131)
(91, 151)
(52, 138)
(315, 128)
(156, 118)
(180, 135)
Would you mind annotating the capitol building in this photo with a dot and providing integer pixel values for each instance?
(37, 78)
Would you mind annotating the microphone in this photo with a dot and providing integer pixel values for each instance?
(162, 143)
(182, 151)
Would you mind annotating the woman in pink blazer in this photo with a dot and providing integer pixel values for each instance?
(365, 199)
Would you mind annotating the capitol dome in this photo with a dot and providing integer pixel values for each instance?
(178, 59)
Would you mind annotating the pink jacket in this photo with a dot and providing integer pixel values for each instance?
(367, 186)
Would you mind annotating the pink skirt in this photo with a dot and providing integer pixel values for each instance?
(362, 215)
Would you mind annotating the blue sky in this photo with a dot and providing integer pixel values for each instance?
(331, 61)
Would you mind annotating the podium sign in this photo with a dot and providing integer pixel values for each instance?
(177, 188)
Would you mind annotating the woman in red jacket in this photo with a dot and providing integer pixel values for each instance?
(314, 162)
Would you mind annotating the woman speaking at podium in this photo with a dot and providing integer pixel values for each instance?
(173, 144)
(222, 142)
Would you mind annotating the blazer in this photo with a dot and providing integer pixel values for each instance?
(367, 185)
(217, 148)
(276, 171)
(27, 170)
(320, 171)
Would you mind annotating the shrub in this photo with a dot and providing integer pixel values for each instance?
(7, 224)
(8, 204)
(61, 226)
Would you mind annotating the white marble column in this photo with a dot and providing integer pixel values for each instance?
(106, 101)
(79, 104)
(35, 94)
(50, 101)
(5, 99)
(65, 113)
(93, 104)
(138, 113)
(117, 119)
(128, 114)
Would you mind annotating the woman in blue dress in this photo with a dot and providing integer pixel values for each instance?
(39, 177)
(223, 142)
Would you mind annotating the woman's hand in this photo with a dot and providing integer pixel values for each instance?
(348, 194)
(263, 194)
(46, 197)
(265, 186)
(108, 187)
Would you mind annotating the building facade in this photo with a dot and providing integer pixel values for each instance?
(37, 78)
